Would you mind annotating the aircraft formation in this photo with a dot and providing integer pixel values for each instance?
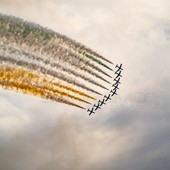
(112, 92)
(38, 61)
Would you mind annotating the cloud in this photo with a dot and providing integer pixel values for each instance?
(132, 131)
(146, 118)
(133, 136)
(64, 146)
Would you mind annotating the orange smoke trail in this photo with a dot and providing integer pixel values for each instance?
(23, 76)
(26, 89)
(56, 84)
(55, 91)
(75, 91)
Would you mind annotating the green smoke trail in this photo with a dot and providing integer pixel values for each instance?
(98, 61)
(39, 50)
(46, 50)
(77, 47)
(32, 31)
(47, 62)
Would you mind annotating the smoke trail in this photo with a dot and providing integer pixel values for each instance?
(26, 30)
(44, 71)
(20, 74)
(77, 47)
(86, 56)
(43, 59)
(45, 50)
(26, 89)
(55, 91)
(66, 55)
(83, 67)
(48, 62)
(12, 73)
(23, 76)
(98, 61)
(75, 91)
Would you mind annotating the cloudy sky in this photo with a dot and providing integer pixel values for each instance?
(132, 132)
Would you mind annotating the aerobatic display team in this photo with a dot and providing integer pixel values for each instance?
(38, 61)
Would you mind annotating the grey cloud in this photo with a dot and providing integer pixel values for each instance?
(132, 131)
(61, 147)
(149, 118)
(151, 122)
(54, 149)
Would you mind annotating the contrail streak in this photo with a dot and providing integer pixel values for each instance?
(47, 50)
(36, 60)
(77, 47)
(27, 89)
(98, 61)
(64, 55)
(9, 40)
(84, 58)
(20, 73)
(43, 70)
(14, 74)
(49, 63)
(75, 91)
(24, 29)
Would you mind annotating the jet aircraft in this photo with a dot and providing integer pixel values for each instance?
(91, 111)
(113, 92)
(102, 102)
(115, 86)
(117, 81)
(107, 97)
(118, 74)
(97, 106)
(119, 67)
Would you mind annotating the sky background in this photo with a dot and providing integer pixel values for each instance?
(132, 131)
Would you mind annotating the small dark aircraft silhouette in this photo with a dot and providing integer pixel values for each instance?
(115, 86)
(101, 102)
(113, 92)
(97, 106)
(91, 111)
(118, 74)
(119, 67)
(117, 81)
(107, 98)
